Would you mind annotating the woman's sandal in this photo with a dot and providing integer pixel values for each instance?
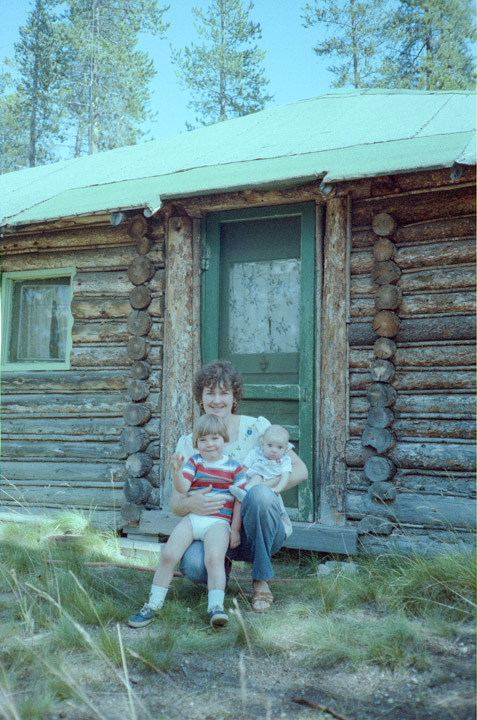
(262, 597)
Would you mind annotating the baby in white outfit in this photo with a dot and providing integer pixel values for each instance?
(267, 461)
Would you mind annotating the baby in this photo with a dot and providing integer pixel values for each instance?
(267, 461)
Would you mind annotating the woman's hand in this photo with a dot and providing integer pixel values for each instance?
(234, 539)
(201, 503)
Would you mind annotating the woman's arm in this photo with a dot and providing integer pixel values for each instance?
(299, 470)
(199, 503)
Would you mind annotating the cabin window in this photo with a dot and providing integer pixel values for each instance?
(36, 319)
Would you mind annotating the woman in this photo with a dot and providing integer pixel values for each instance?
(218, 388)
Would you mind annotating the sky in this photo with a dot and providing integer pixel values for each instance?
(294, 70)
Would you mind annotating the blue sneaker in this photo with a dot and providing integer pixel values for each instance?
(145, 616)
(217, 617)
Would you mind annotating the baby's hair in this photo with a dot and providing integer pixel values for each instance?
(209, 425)
(279, 430)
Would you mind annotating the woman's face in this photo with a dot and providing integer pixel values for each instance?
(218, 401)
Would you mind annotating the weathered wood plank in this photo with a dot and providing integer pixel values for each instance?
(99, 427)
(83, 404)
(408, 481)
(99, 356)
(305, 536)
(113, 332)
(47, 471)
(73, 497)
(447, 278)
(412, 305)
(84, 238)
(460, 227)
(331, 466)
(431, 379)
(427, 427)
(406, 543)
(437, 404)
(97, 517)
(426, 510)
(101, 307)
(424, 356)
(461, 327)
(107, 258)
(64, 381)
(60, 449)
(459, 252)
(418, 207)
(419, 455)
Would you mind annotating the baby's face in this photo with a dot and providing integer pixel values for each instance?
(274, 445)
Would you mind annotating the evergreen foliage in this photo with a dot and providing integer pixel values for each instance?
(224, 73)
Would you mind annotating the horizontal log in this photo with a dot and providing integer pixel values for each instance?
(381, 439)
(424, 427)
(97, 308)
(134, 439)
(407, 543)
(424, 232)
(156, 308)
(140, 270)
(101, 236)
(406, 380)
(63, 381)
(140, 370)
(383, 224)
(140, 323)
(384, 348)
(417, 207)
(379, 469)
(386, 324)
(96, 427)
(48, 471)
(418, 455)
(457, 252)
(382, 491)
(137, 490)
(460, 327)
(140, 297)
(442, 405)
(138, 465)
(426, 510)
(99, 356)
(388, 297)
(84, 404)
(137, 226)
(113, 332)
(445, 278)
(424, 356)
(419, 304)
(101, 283)
(138, 390)
(62, 450)
(93, 259)
(70, 496)
(457, 484)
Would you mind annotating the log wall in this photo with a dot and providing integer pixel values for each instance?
(63, 431)
(411, 435)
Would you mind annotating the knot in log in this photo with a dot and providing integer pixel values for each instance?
(384, 348)
(386, 323)
(386, 272)
(384, 224)
(382, 370)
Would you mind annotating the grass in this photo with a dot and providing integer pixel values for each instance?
(61, 635)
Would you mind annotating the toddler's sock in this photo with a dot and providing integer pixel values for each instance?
(216, 599)
(157, 597)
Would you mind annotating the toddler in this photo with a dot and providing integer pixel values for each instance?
(209, 468)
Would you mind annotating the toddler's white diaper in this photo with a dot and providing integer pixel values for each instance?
(202, 523)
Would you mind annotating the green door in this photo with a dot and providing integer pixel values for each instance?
(258, 311)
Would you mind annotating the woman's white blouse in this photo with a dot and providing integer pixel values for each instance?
(250, 431)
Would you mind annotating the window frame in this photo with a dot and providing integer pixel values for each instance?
(7, 280)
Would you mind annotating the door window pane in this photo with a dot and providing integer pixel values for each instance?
(39, 320)
(264, 307)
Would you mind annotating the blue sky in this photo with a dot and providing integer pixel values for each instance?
(294, 70)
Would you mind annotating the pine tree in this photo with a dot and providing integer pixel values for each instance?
(225, 72)
(356, 38)
(107, 95)
(32, 110)
(434, 45)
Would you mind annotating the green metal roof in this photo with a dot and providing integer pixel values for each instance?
(341, 135)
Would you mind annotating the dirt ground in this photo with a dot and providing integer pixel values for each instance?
(276, 687)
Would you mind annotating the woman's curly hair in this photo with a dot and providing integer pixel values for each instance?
(219, 373)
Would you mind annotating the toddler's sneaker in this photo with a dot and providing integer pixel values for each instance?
(145, 616)
(217, 617)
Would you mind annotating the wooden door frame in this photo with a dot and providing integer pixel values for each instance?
(210, 318)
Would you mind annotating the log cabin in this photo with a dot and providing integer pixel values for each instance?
(339, 230)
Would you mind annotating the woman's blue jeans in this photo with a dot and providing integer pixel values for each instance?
(261, 536)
